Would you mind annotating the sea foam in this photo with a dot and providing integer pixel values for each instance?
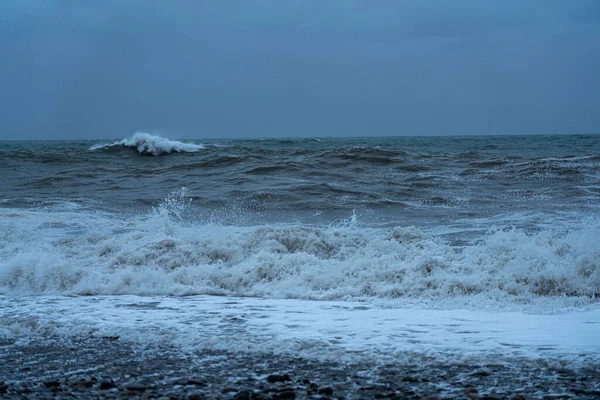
(148, 144)
(89, 253)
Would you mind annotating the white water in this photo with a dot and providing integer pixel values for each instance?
(400, 294)
(146, 143)
(91, 253)
(324, 330)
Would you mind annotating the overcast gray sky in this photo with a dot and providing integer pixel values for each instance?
(191, 68)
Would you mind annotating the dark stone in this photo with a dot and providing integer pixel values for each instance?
(195, 381)
(243, 395)
(105, 385)
(3, 388)
(366, 388)
(278, 378)
(410, 379)
(52, 384)
(480, 374)
(24, 369)
(84, 383)
(135, 387)
(229, 390)
(285, 394)
(472, 393)
(313, 386)
(327, 391)
(196, 396)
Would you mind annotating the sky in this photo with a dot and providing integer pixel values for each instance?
(88, 69)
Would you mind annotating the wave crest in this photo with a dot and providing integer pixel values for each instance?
(148, 144)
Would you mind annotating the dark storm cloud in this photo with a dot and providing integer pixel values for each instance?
(77, 69)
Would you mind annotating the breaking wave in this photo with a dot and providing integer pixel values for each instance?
(148, 144)
(91, 253)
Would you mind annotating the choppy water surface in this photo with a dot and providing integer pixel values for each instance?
(393, 181)
(502, 222)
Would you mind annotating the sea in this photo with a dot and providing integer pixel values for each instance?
(333, 248)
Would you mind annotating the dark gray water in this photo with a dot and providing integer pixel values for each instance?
(414, 180)
(503, 220)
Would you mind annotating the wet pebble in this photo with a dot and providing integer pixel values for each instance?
(243, 395)
(278, 378)
(284, 394)
(195, 381)
(327, 391)
(135, 387)
(105, 385)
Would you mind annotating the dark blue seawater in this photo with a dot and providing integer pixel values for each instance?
(403, 180)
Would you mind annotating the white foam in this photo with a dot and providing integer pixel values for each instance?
(325, 330)
(146, 143)
(92, 253)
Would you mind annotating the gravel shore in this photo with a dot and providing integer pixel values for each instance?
(98, 368)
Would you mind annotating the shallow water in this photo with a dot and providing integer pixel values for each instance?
(341, 331)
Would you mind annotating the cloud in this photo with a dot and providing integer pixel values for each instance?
(89, 68)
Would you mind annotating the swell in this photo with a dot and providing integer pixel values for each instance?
(283, 158)
(396, 153)
(45, 156)
(211, 163)
(306, 175)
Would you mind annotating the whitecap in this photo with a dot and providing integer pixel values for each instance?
(155, 145)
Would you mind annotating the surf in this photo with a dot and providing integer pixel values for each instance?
(166, 252)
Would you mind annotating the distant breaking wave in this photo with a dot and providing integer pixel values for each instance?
(148, 144)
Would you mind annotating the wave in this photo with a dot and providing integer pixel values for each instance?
(293, 141)
(86, 253)
(148, 144)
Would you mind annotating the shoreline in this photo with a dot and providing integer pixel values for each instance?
(108, 367)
